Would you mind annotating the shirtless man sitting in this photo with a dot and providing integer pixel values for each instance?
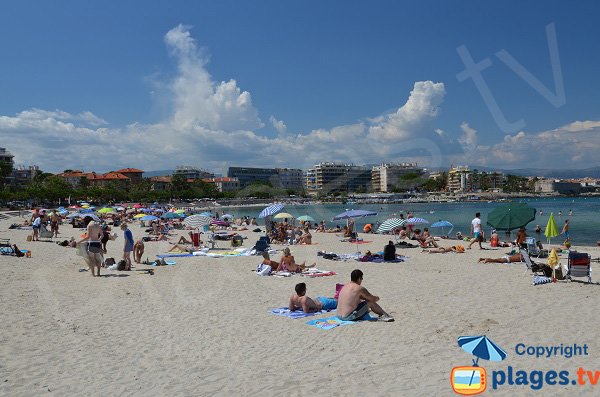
(355, 301)
(299, 300)
(267, 261)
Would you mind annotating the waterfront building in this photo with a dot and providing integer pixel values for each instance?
(248, 175)
(133, 174)
(224, 184)
(557, 186)
(160, 183)
(24, 175)
(189, 172)
(386, 177)
(289, 179)
(327, 178)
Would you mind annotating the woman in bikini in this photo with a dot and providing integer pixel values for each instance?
(288, 263)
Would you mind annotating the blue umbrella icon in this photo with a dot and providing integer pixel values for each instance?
(481, 347)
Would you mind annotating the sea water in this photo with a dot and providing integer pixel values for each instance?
(584, 224)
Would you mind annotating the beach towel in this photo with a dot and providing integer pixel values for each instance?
(318, 273)
(328, 323)
(166, 263)
(538, 280)
(286, 312)
(160, 256)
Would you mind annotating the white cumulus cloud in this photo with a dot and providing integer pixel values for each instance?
(279, 125)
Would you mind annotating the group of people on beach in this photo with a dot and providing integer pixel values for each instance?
(353, 303)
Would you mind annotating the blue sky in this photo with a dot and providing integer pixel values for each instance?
(156, 84)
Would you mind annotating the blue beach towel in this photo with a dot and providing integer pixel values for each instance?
(286, 312)
(328, 323)
(168, 263)
(173, 255)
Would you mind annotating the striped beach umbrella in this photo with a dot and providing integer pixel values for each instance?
(391, 224)
(196, 221)
(271, 210)
(416, 221)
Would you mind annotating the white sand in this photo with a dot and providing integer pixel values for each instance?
(201, 327)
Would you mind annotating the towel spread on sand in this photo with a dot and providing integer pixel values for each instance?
(286, 312)
(332, 322)
(172, 255)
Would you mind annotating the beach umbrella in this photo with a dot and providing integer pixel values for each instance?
(226, 216)
(148, 218)
(283, 215)
(136, 206)
(170, 215)
(481, 347)
(443, 224)
(139, 216)
(391, 224)
(196, 221)
(180, 211)
(551, 229)
(219, 223)
(86, 210)
(120, 209)
(306, 218)
(106, 210)
(83, 215)
(416, 221)
(353, 214)
(511, 216)
(206, 213)
(270, 210)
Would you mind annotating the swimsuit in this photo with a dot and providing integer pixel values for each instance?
(361, 310)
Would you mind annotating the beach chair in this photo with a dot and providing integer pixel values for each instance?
(528, 262)
(212, 240)
(533, 248)
(5, 243)
(44, 232)
(579, 265)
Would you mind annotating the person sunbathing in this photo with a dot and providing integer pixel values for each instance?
(442, 250)
(179, 249)
(505, 259)
(424, 241)
(287, 263)
(299, 300)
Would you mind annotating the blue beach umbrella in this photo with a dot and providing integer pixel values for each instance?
(444, 224)
(271, 210)
(353, 214)
(148, 218)
(206, 213)
(170, 215)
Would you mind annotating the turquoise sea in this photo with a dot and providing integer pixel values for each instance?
(584, 223)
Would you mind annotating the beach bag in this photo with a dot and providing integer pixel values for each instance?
(541, 268)
(109, 262)
(121, 265)
(263, 270)
(338, 288)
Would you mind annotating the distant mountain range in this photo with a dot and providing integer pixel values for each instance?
(150, 174)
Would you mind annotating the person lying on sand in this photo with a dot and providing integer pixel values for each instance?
(287, 263)
(179, 249)
(299, 300)
(505, 259)
(443, 250)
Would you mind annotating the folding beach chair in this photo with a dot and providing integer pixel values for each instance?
(579, 265)
(533, 249)
(529, 263)
(212, 240)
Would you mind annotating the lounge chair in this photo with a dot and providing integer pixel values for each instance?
(529, 263)
(212, 240)
(579, 265)
(533, 249)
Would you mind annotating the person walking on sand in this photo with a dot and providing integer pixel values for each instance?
(355, 301)
(476, 231)
(565, 230)
(92, 246)
(128, 248)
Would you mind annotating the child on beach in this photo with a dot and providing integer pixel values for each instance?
(299, 300)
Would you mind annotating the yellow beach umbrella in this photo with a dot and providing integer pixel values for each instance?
(283, 215)
(551, 229)
(180, 211)
(553, 260)
(139, 216)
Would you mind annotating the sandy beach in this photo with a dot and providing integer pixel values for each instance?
(202, 327)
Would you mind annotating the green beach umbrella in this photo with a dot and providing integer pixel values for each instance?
(106, 210)
(511, 216)
(551, 229)
(306, 218)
